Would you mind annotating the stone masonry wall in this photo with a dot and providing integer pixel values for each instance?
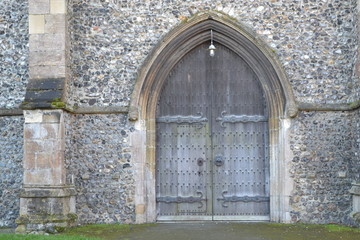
(315, 40)
(13, 52)
(325, 163)
(99, 163)
(13, 79)
(11, 171)
(356, 148)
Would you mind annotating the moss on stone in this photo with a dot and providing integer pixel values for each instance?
(57, 103)
(354, 105)
(339, 228)
(59, 229)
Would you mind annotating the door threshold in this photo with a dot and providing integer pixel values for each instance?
(225, 218)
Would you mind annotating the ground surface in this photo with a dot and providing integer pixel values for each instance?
(198, 231)
(219, 231)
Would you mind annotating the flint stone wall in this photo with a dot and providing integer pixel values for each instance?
(13, 52)
(326, 160)
(99, 164)
(13, 80)
(315, 40)
(11, 170)
(325, 146)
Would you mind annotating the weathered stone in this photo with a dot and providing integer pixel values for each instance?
(49, 41)
(47, 71)
(45, 198)
(57, 6)
(43, 96)
(39, 6)
(55, 23)
(49, 58)
(36, 24)
(46, 84)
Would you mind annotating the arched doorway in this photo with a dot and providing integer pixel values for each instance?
(212, 140)
(276, 90)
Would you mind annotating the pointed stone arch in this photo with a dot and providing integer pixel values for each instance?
(173, 47)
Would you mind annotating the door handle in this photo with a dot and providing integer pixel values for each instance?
(219, 161)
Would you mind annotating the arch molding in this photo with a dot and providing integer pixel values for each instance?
(277, 90)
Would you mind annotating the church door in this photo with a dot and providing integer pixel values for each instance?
(212, 154)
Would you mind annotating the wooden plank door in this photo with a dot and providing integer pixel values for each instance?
(212, 140)
(183, 142)
(239, 140)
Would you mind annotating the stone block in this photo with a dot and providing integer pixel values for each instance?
(33, 146)
(45, 160)
(59, 162)
(29, 161)
(32, 131)
(52, 117)
(36, 72)
(44, 176)
(55, 23)
(38, 177)
(140, 209)
(85, 176)
(43, 208)
(57, 6)
(46, 84)
(35, 105)
(50, 131)
(20, 229)
(356, 203)
(342, 174)
(48, 41)
(39, 6)
(33, 116)
(43, 96)
(355, 189)
(58, 177)
(48, 145)
(49, 160)
(47, 57)
(36, 24)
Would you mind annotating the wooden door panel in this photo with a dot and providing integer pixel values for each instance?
(183, 124)
(182, 177)
(212, 110)
(239, 124)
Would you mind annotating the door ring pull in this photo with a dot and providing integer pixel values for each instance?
(219, 161)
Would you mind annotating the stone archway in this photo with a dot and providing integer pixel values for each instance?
(172, 48)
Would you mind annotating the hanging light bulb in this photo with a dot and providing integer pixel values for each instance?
(212, 48)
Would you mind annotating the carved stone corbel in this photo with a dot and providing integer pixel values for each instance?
(292, 110)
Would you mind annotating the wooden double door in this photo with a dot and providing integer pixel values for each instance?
(212, 140)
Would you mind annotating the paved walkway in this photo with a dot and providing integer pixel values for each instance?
(218, 231)
(234, 231)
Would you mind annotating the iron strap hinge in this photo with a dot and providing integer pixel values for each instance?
(245, 199)
(179, 199)
(179, 119)
(227, 118)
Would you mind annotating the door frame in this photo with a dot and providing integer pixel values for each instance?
(277, 90)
